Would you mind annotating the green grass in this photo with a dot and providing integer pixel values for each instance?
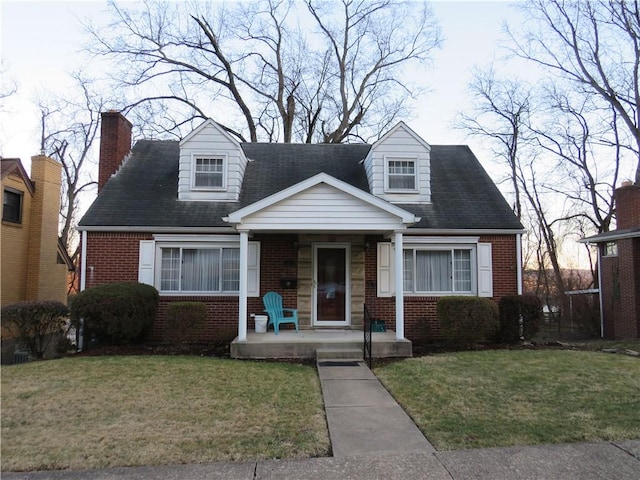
(504, 398)
(96, 412)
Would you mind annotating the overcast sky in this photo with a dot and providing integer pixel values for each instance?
(41, 41)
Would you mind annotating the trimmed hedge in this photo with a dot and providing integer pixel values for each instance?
(35, 323)
(511, 307)
(116, 313)
(184, 320)
(466, 321)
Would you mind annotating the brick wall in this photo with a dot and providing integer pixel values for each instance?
(627, 200)
(46, 278)
(115, 144)
(621, 291)
(420, 322)
(114, 257)
(15, 247)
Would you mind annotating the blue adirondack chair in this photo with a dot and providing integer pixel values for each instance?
(273, 306)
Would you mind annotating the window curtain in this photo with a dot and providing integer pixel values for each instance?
(433, 271)
(200, 270)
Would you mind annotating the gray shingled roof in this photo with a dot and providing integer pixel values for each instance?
(144, 192)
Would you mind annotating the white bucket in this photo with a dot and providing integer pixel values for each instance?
(261, 323)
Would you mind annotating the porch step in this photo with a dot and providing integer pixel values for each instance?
(339, 354)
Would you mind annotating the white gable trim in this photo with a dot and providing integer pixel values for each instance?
(405, 127)
(406, 217)
(210, 123)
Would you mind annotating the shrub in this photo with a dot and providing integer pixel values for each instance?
(511, 307)
(116, 313)
(466, 321)
(183, 320)
(35, 323)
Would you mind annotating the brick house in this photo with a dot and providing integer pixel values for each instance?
(332, 228)
(34, 261)
(619, 267)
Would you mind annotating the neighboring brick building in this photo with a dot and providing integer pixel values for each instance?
(619, 267)
(34, 263)
(317, 223)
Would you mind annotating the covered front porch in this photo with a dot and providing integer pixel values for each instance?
(327, 256)
(319, 344)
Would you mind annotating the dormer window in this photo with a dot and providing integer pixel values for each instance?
(209, 172)
(401, 175)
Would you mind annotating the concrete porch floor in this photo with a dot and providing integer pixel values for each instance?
(320, 343)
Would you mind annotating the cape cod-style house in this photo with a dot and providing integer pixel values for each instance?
(393, 225)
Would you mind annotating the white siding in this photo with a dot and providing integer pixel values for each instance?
(321, 207)
(399, 142)
(209, 139)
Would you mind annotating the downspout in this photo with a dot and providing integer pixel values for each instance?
(83, 263)
(83, 285)
(519, 281)
(519, 262)
(600, 290)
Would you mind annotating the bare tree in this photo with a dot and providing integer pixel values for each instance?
(595, 45)
(501, 113)
(369, 42)
(69, 128)
(274, 69)
(8, 86)
(575, 134)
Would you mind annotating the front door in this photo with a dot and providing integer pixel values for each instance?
(331, 292)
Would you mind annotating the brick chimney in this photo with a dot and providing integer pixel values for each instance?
(45, 278)
(115, 144)
(627, 199)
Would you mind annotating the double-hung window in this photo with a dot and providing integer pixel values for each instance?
(12, 206)
(202, 270)
(401, 174)
(438, 270)
(209, 172)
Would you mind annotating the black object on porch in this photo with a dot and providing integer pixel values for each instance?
(368, 329)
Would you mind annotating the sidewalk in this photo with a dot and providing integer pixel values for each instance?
(373, 438)
(581, 461)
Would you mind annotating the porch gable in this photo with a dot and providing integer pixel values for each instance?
(305, 206)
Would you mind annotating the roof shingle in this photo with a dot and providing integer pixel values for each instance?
(144, 192)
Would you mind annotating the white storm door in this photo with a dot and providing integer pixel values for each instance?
(331, 288)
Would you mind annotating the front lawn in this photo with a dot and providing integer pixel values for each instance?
(504, 398)
(94, 412)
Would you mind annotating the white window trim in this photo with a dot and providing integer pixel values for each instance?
(614, 244)
(482, 271)
(401, 158)
(447, 248)
(159, 245)
(225, 166)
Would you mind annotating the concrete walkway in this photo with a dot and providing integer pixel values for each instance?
(373, 438)
(363, 418)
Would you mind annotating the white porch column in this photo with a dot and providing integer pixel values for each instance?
(242, 301)
(399, 278)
